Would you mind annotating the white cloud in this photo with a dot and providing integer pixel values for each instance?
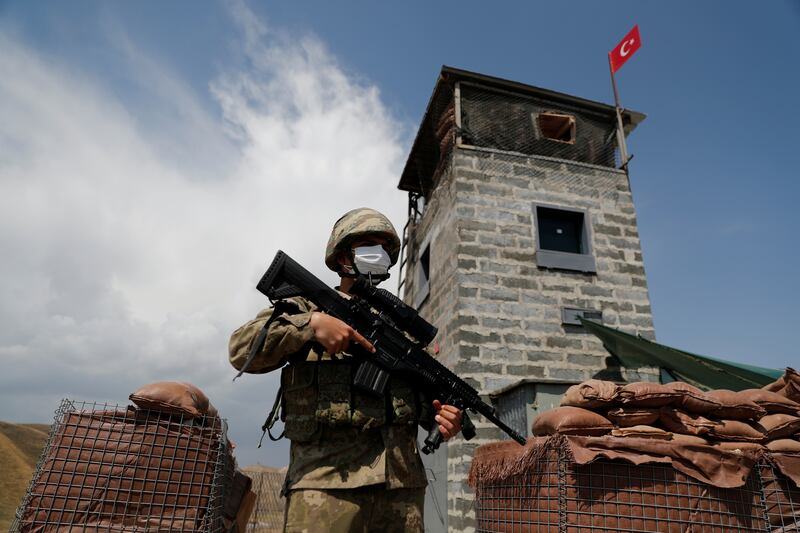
(131, 244)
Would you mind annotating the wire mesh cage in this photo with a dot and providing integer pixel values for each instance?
(113, 468)
(525, 124)
(781, 497)
(549, 492)
(267, 515)
(489, 115)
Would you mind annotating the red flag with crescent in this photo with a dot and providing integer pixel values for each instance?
(625, 49)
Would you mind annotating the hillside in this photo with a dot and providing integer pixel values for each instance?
(20, 446)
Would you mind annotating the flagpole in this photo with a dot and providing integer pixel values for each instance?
(623, 148)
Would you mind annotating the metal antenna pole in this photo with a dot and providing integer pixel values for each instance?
(623, 148)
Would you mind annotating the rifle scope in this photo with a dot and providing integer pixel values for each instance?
(404, 315)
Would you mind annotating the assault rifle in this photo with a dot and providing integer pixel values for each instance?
(387, 323)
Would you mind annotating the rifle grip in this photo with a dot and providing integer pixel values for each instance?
(433, 440)
(467, 427)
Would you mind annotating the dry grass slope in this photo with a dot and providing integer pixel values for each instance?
(20, 446)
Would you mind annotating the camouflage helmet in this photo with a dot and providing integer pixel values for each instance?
(358, 223)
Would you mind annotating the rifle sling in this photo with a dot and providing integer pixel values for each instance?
(272, 417)
(280, 307)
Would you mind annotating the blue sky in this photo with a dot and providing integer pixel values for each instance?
(145, 140)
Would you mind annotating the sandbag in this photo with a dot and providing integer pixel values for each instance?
(736, 430)
(569, 420)
(743, 446)
(735, 407)
(642, 431)
(646, 394)
(772, 402)
(590, 394)
(174, 397)
(693, 400)
(632, 416)
(775, 386)
(681, 438)
(792, 388)
(678, 421)
(784, 446)
(779, 425)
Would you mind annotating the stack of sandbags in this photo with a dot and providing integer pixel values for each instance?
(762, 425)
(748, 419)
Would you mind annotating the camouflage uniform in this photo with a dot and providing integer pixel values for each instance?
(346, 446)
(355, 510)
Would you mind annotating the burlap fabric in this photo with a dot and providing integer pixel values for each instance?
(571, 421)
(772, 402)
(693, 400)
(645, 394)
(632, 416)
(592, 393)
(174, 397)
(787, 385)
(735, 406)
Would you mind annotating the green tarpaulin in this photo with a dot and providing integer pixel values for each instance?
(708, 372)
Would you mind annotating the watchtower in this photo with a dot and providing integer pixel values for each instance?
(520, 224)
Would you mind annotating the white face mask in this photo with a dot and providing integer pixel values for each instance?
(372, 260)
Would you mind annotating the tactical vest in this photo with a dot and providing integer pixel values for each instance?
(320, 393)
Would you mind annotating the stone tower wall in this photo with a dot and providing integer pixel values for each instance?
(494, 295)
(499, 314)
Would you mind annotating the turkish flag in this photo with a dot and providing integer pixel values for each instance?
(625, 49)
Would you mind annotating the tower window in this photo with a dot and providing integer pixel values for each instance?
(423, 276)
(563, 239)
(560, 230)
(557, 127)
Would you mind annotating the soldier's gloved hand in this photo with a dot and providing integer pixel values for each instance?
(334, 335)
(449, 419)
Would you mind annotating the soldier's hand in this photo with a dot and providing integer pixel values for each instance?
(334, 335)
(449, 419)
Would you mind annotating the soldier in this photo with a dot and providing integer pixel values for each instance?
(354, 464)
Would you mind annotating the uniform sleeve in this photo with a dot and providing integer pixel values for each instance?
(287, 335)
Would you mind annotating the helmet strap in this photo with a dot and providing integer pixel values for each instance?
(347, 271)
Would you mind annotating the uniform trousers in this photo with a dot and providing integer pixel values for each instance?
(372, 508)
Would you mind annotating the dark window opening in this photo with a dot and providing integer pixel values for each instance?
(557, 127)
(423, 287)
(563, 239)
(425, 263)
(561, 231)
